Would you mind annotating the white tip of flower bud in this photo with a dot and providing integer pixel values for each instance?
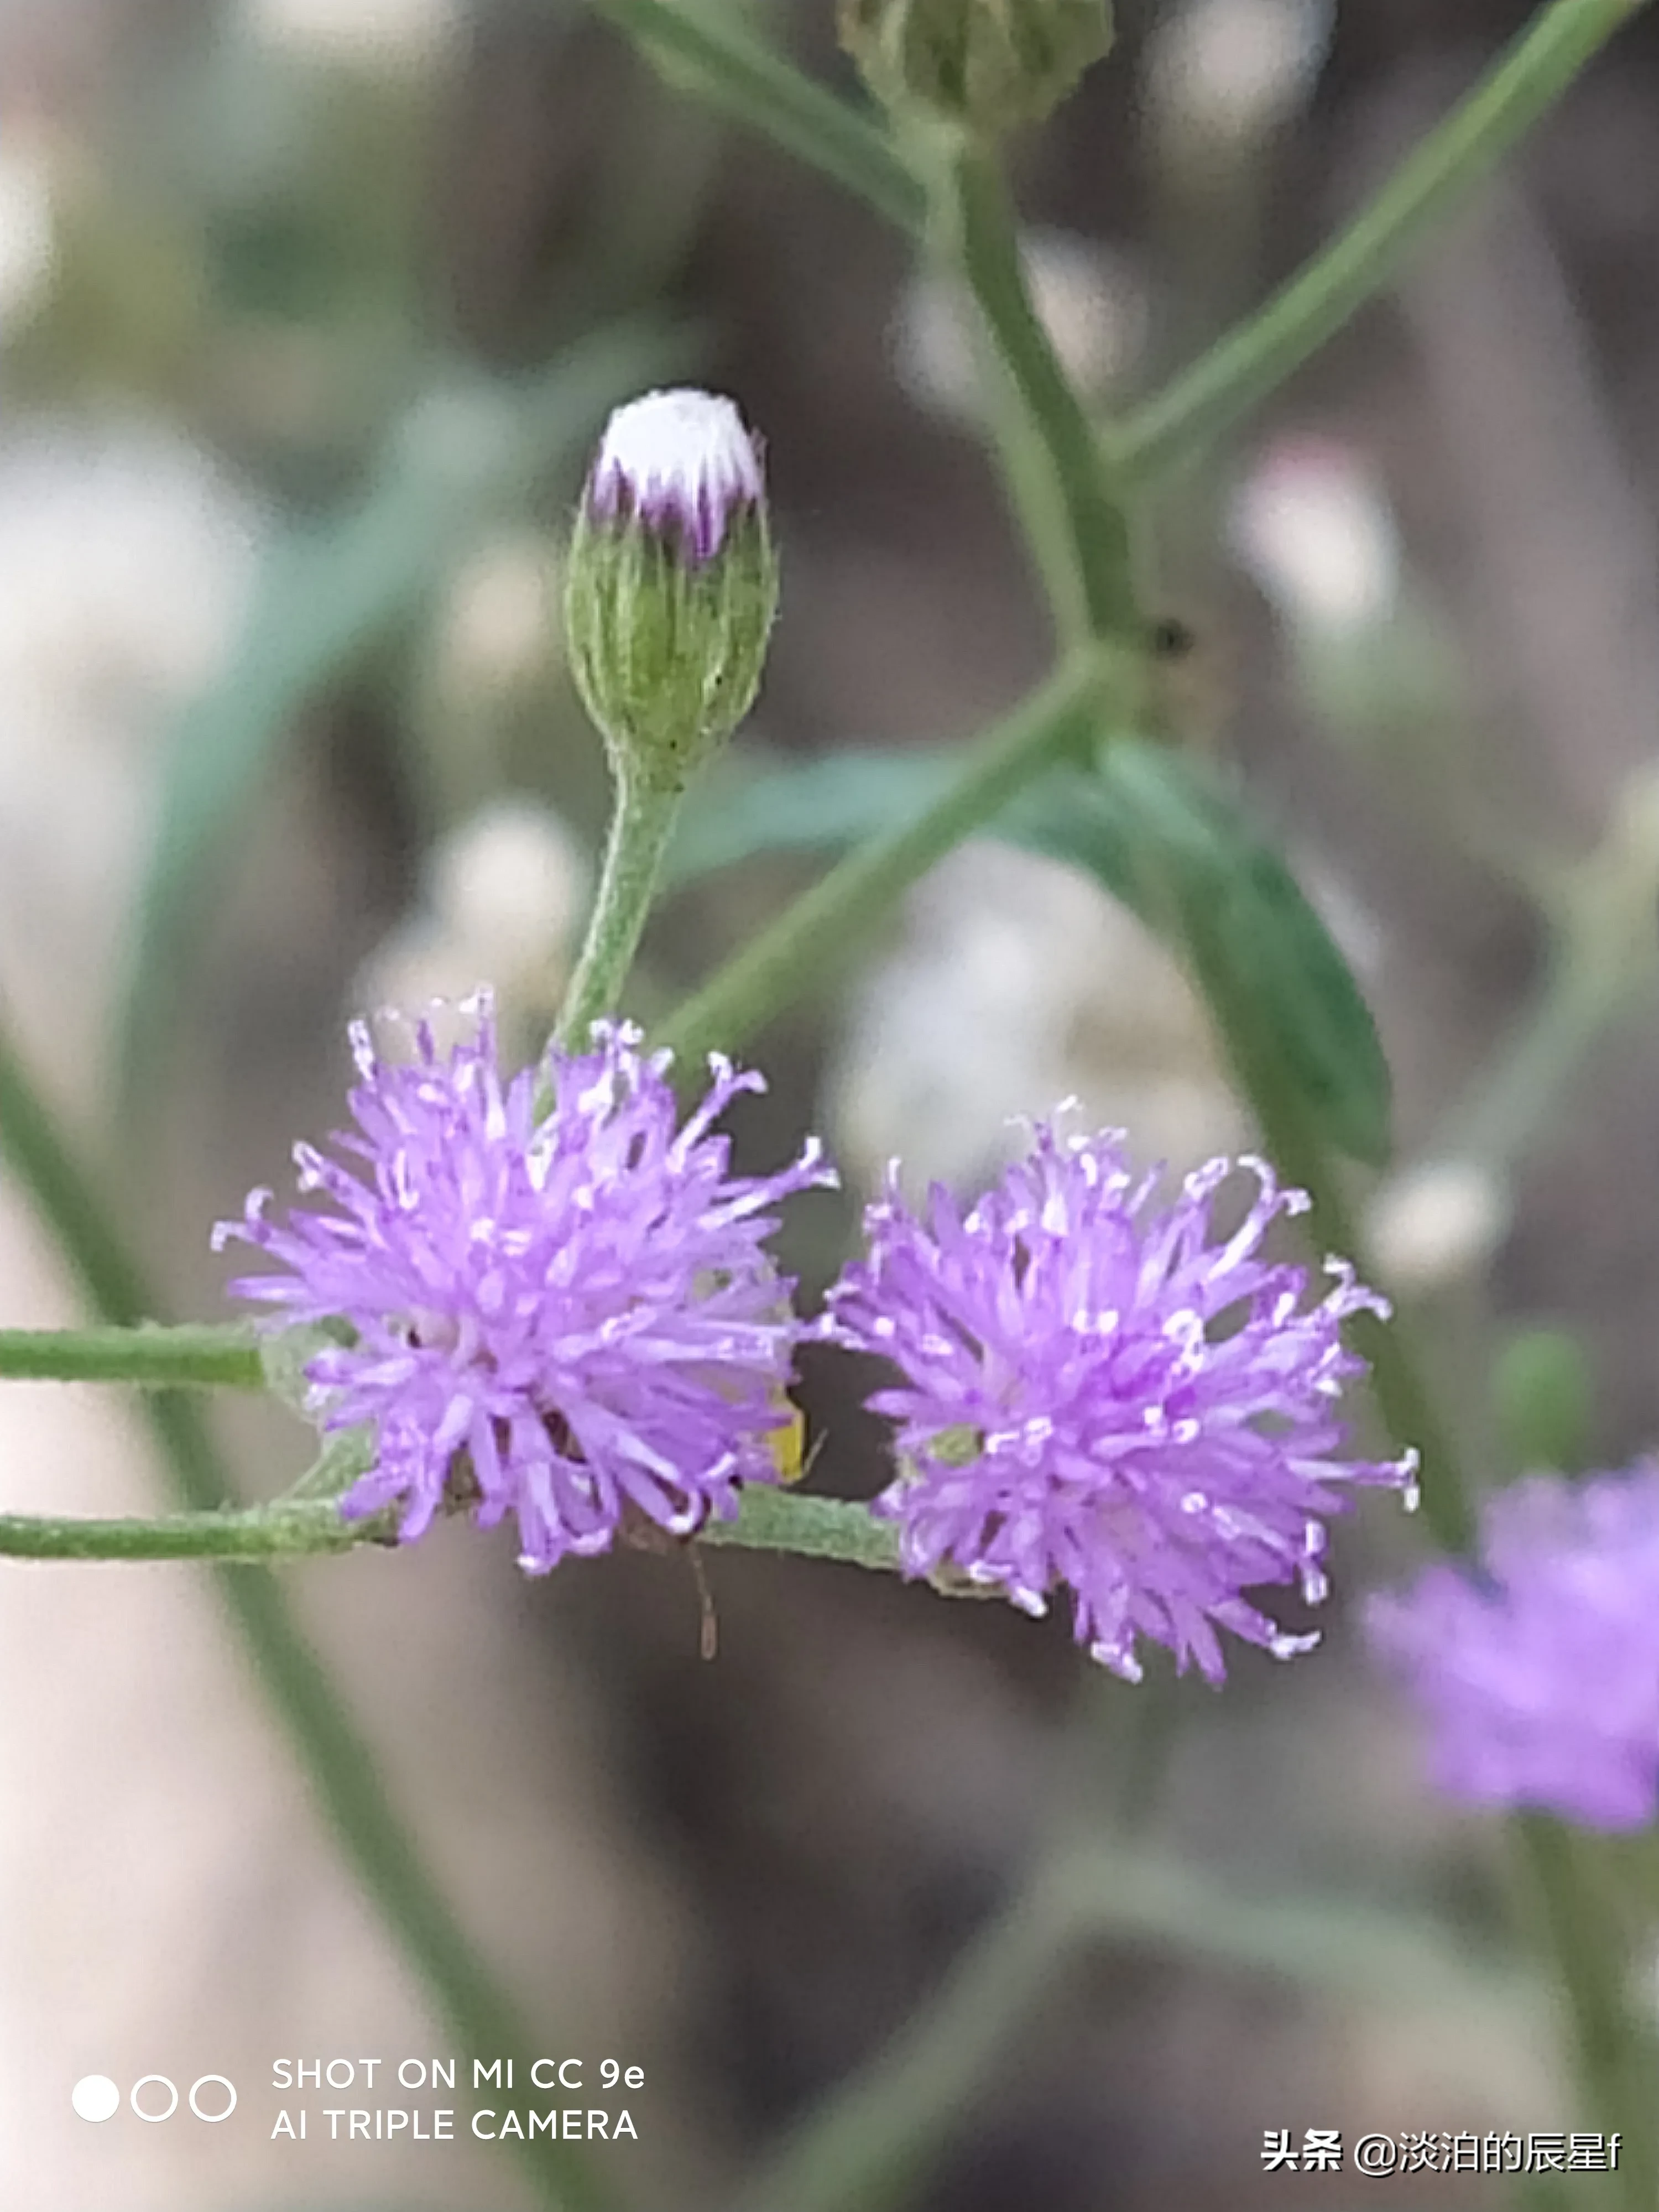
(681, 462)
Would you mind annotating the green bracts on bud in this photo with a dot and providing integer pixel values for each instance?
(667, 654)
(672, 585)
(989, 65)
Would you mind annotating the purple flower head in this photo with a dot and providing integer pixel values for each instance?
(1538, 1672)
(583, 1306)
(683, 463)
(1099, 1391)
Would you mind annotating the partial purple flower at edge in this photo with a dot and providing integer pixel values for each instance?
(1098, 1392)
(1537, 1672)
(584, 1307)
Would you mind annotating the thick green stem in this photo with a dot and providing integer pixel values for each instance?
(641, 823)
(335, 1757)
(712, 56)
(1251, 362)
(817, 938)
(186, 1359)
(978, 231)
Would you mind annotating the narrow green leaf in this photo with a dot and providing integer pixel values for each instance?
(332, 593)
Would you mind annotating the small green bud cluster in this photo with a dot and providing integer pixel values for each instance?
(672, 583)
(989, 65)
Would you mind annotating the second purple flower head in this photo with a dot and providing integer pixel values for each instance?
(1099, 1390)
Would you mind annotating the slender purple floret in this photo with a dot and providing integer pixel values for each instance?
(584, 1307)
(1099, 1392)
(683, 463)
(1538, 1671)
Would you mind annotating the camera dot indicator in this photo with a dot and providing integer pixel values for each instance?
(94, 2097)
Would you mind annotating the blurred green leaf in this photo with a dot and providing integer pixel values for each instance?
(332, 593)
(1157, 832)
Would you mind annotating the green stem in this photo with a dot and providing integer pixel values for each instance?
(285, 1530)
(640, 822)
(335, 1757)
(1252, 362)
(818, 937)
(978, 229)
(710, 55)
(187, 1359)
(298, 1527)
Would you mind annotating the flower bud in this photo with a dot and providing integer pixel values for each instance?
(672, 583)
(989, 65)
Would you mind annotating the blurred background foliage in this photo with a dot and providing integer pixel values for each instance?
(309, 310)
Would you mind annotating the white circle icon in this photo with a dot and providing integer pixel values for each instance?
(95, 2097)
(213, 2118)
(143, 2082)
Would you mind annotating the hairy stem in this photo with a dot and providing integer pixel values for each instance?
(186, 1357)
(298, 1527)
(288, 1528)
(640, 822)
